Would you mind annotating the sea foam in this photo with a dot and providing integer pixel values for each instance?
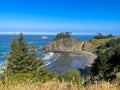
(50, 57)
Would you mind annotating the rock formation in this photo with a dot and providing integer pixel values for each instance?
(74, 45)
(65, 45)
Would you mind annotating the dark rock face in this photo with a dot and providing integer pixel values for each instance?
(65, 45)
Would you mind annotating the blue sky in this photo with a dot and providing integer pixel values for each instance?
(52, 16)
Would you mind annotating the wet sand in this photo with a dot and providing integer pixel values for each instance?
(72, 61)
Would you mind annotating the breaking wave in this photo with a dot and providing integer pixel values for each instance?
(50, 57)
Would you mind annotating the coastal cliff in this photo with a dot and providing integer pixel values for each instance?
(64, 42)
(65, 45)
(74, 45)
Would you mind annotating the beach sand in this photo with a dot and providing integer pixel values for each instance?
(73, 61)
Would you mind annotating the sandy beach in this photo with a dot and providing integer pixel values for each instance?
(89, 60)
(73, 61)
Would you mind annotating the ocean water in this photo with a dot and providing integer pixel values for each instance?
(5, 42)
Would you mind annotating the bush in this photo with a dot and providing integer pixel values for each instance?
(48, 76)
(1, 76)
(21, 79)
(72, 76)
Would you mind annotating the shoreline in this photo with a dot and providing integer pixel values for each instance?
(84, 61)
(89, 60)
(89, 57)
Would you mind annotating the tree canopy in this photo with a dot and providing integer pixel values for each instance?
(100, 36)
(107, 64)
(23, 59)
(63, 35)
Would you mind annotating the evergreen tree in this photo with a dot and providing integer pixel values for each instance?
(107, 64)
(101, 67)
(100, 36)
(63, 35)
(23, 59)
(11, 59)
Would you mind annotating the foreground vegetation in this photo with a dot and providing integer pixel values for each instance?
(57, 85)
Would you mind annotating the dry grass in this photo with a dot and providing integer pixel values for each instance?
(52, 85)
(56, 85)
(103, 86)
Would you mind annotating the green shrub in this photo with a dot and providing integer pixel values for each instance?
(21, 79)
(1, 76)
(48, 76)
(118, 75)
(72, 76)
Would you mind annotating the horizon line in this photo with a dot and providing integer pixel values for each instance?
(41, 33)
(48, 33)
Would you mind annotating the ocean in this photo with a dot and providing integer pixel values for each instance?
(5, 42)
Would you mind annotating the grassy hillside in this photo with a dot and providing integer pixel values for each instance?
(93, 44)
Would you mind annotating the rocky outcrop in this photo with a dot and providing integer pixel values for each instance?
(65, 45)
(73, 45)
